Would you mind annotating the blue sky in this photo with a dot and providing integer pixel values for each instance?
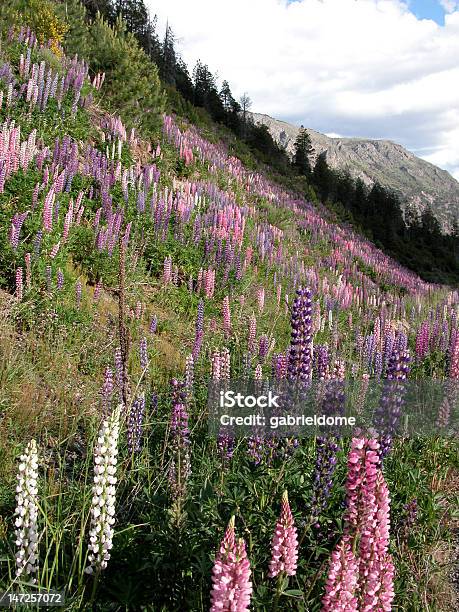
(428, 9)
(386, 69)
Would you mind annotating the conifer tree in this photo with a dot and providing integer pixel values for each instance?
(303, 152)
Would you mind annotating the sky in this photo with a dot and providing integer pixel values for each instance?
(364, 68)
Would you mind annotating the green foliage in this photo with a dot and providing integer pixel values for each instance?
(132, 84)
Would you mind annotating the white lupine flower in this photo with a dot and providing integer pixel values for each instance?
(27, 513)
(103, 501)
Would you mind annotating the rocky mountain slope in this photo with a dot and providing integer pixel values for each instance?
(417, 181)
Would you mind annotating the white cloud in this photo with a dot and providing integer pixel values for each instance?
(450, 5)
(365, 68)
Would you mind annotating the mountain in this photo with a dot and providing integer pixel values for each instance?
(417, 181)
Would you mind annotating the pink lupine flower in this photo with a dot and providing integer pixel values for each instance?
(279, 295)
(454, 358)
(226, 316)
(19, 283)
(167, 273)
(284, 546)
(252, 332)
(341, 582)
(367, 525)
(261, 299)
(232, 588)
(55, 250)
(48, 211)
(376, 569)
(363, 463)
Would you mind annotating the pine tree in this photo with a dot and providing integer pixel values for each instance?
(322, 176)
(303, 151)
(169, 60)
(226, 96)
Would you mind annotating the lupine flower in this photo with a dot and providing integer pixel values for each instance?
(284, 546)
(97, 290)
(367, 525)
(392, 398)
(226, 316)
(54, 250)
(261, 299)
(135, 424)
(300, 353)
(107, 392)
(104, 493)
(252, 332)
(16, 225)
(27, 514)
(180, 467)
(409, 517)
(60, 279)
(454, 358)
(326, 460)
(48, 211)
(199, 331)
(153, 324)
(232, 588)
(189, 375)
(342, 578)
(118, 359)
(167, 272)
(143, 350)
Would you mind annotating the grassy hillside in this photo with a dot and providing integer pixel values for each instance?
(139, 258)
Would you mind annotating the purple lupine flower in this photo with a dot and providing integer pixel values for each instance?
(107, 392)
(326, 447)
(153, 402)
(153, 324)
(279, 367)
(60, 279)
(37, 243)
(409, 518)
(300, 353)
(322, 360)
(16, 225)
(143, 352)
(263, 347)
(199, 334)
(180, 467)
(135, 424)
(392, 399)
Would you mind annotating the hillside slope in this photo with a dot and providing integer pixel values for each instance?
(137, 266)
(415, 180)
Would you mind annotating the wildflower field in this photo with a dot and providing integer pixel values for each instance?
(136, 269)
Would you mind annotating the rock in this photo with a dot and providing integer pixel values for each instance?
(416, 181)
